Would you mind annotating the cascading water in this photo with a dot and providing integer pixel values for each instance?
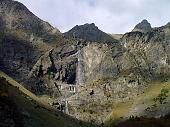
(79, 73)
(79, 76)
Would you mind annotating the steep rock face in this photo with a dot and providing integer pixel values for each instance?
(89, 32)
(96, 61)
(17, 57)
(151, 50)
(78, 64)
(143, 26)
(24, 38)
(55, 69)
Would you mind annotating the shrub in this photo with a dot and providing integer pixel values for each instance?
(162, 96)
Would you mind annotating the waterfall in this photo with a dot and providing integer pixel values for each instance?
(79, 70)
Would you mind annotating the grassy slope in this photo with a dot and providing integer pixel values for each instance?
(121, 110)
(40, 100)
(38, 109)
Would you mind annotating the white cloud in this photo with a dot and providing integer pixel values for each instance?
(114, 16)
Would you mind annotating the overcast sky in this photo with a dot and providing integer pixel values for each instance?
(111, 16)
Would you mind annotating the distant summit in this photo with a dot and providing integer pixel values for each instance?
(14, 15)
(143, 26)
(89, 32)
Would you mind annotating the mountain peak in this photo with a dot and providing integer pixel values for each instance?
(90, 25)
(144, 21)
(86, 26)
(89, 32)
(15, 15)
(143, 26)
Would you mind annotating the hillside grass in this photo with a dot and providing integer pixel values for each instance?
(121, 110)
(42, 100)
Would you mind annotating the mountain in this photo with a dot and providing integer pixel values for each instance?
(96, 78)
(15, 16)
(24, 39)
(143, 26)
(89, 32)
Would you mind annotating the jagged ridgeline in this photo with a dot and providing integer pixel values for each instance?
(87, 73)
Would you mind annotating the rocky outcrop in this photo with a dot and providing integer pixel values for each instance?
(151, 50)
(89, 32)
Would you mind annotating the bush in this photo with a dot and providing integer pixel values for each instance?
(162, 96)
